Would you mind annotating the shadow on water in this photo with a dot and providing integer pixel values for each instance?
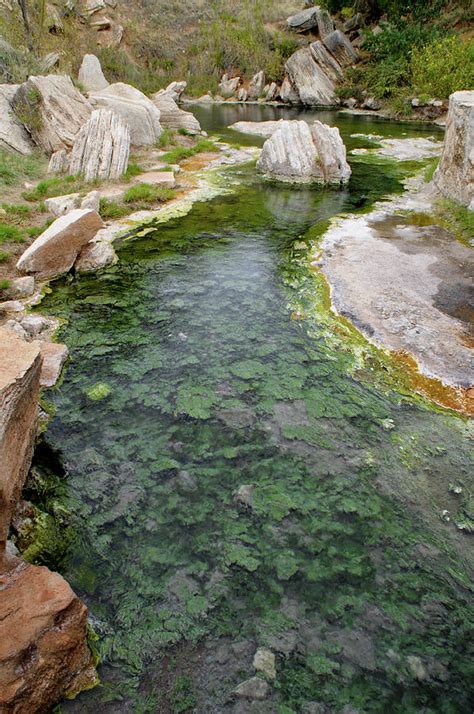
(230, 486)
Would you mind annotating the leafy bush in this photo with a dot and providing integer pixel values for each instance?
(443, 67)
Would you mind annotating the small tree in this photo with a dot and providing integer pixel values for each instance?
(26, 24)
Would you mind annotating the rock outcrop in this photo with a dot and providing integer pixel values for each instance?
(171, 116)
(13, 135)
(43, 640)
(20, 369)
(313, 18)
(312, 84)
(307, 153)
(102, 147)
(52, 110)
(326, 61)
(136, 110)
(454, 176)
(56, 250)
(228, 87)
(59, 162)
(339, 45)
(90, 74)
(176, 89)
(256, 86)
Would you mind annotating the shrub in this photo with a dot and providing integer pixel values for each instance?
(4, 256)
(5, 284)
(442, 67)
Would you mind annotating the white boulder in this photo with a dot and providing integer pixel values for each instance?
(13, 135)
(52, 110)
(257, 83)
(90, 74)
(136, 110)
(102, 147)
(305, 153)
(171, 116)
(454, 176)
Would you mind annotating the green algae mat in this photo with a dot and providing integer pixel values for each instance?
(223, 472)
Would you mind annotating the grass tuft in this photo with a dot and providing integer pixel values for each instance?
(10, 234)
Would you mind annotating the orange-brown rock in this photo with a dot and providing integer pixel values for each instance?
(43, 650)
(54, 251)
(20, 369)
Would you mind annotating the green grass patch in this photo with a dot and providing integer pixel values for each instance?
(4, 256)
(147, 193)
(57, 186)
(132, 170)
(430, 169)
(10, 234)
(179, 153)
(15, 168)
(5, 284)
(457, 219)
(112, 210)
(19, 210)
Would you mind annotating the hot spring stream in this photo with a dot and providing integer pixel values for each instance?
(235, 479)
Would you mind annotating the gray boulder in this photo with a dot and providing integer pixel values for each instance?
(339, 45)
(313, 85)
(257, 83)
(311, 19)
(304, 153)
(13, 135)
(59, 162)
(254, 688)
(272, 92)
(288, 92)
(326, 61)
(228, 87)
(454, 176)
(90, 74)
(171, 116)
(176, 89)
(136, 110)
(52, 110)
(102, 147)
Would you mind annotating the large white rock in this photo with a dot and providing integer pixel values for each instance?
(228, 87)
(52, 110)
(139, 112)
(306, 153)
(171, 116)
(102, 147)
(288, 92)
(454, 176)
(56, 250)
(90, 74)
(13, 135)
(312, 84)
(175, 89)
(257, 83)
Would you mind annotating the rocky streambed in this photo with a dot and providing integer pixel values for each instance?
(259, 512)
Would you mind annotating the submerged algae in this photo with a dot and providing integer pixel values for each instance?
(341, 549)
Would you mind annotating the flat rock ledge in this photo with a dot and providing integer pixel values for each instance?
(405, 287)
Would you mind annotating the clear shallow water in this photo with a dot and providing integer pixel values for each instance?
(336, 558)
